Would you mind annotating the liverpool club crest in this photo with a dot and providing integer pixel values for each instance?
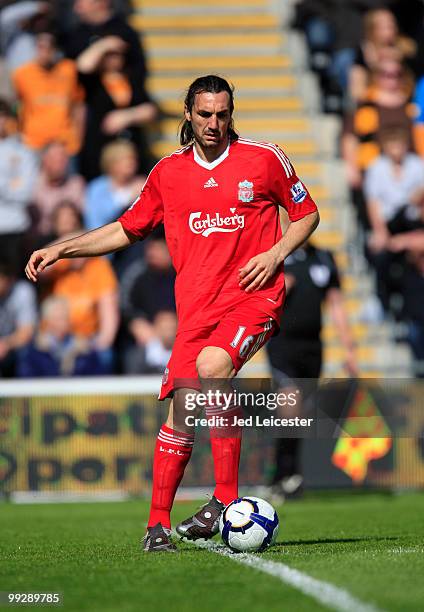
(245, 191)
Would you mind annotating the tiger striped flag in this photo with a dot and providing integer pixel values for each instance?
(358, 444)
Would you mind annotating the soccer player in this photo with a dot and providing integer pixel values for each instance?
(218, 198)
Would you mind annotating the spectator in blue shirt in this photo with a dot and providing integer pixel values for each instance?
(110, 194)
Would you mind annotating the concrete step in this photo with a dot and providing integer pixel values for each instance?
(150, 6)
(175, 86)
(326, 131)
(358, 293)
(247, 106)
(219, 43)
(206, 11)
(327, 215)
(329, 240)
(336, 370)
(360, 331)
(189, 65)
(352, 283)
(365, 354)
(213, 22)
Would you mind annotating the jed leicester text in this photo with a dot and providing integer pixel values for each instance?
(251, 421)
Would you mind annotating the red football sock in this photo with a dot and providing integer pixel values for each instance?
(226, 446)
(172, 453)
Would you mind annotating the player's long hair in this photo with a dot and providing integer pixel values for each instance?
(210, 84)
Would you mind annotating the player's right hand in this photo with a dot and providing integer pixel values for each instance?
(39, 260)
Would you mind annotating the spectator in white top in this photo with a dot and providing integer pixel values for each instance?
(18, 171)
(18, 316)
(395, 179)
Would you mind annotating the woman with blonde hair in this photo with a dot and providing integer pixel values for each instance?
(113, 191)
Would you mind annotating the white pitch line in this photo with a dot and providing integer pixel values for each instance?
(327, 594)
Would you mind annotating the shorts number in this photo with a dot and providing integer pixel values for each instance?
(238, 336)
(246, 346)
(247, 342)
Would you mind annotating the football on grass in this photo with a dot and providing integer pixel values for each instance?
(249, 524)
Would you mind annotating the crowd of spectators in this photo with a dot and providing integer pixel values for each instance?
(347, 40)
(369, 56)
(73, 107)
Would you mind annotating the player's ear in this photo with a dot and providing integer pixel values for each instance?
(187, 113)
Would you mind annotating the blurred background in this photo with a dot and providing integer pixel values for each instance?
(91, 95)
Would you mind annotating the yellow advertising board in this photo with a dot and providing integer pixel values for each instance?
(78, 443)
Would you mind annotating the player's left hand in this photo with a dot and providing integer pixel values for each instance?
(258, 271)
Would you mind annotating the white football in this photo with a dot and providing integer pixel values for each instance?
(249, 524)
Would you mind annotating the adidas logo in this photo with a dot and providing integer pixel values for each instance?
(210, 183)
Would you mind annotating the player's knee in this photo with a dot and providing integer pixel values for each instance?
(205, 369)
(213, 362)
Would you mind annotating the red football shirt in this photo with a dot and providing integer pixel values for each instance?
(217, 216)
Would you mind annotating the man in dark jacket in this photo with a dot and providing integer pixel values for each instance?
(312, 280)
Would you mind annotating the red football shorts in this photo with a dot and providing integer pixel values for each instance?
(241, 332)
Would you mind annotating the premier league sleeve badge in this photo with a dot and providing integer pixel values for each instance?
(298, 192)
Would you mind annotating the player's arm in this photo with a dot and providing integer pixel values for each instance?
(286, 190)
(106, 239)
(259, 269)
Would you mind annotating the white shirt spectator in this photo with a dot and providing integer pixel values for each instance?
(18, 171)
(392, 192)
(18, 308)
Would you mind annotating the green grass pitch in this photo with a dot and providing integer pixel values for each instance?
(370, 545)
